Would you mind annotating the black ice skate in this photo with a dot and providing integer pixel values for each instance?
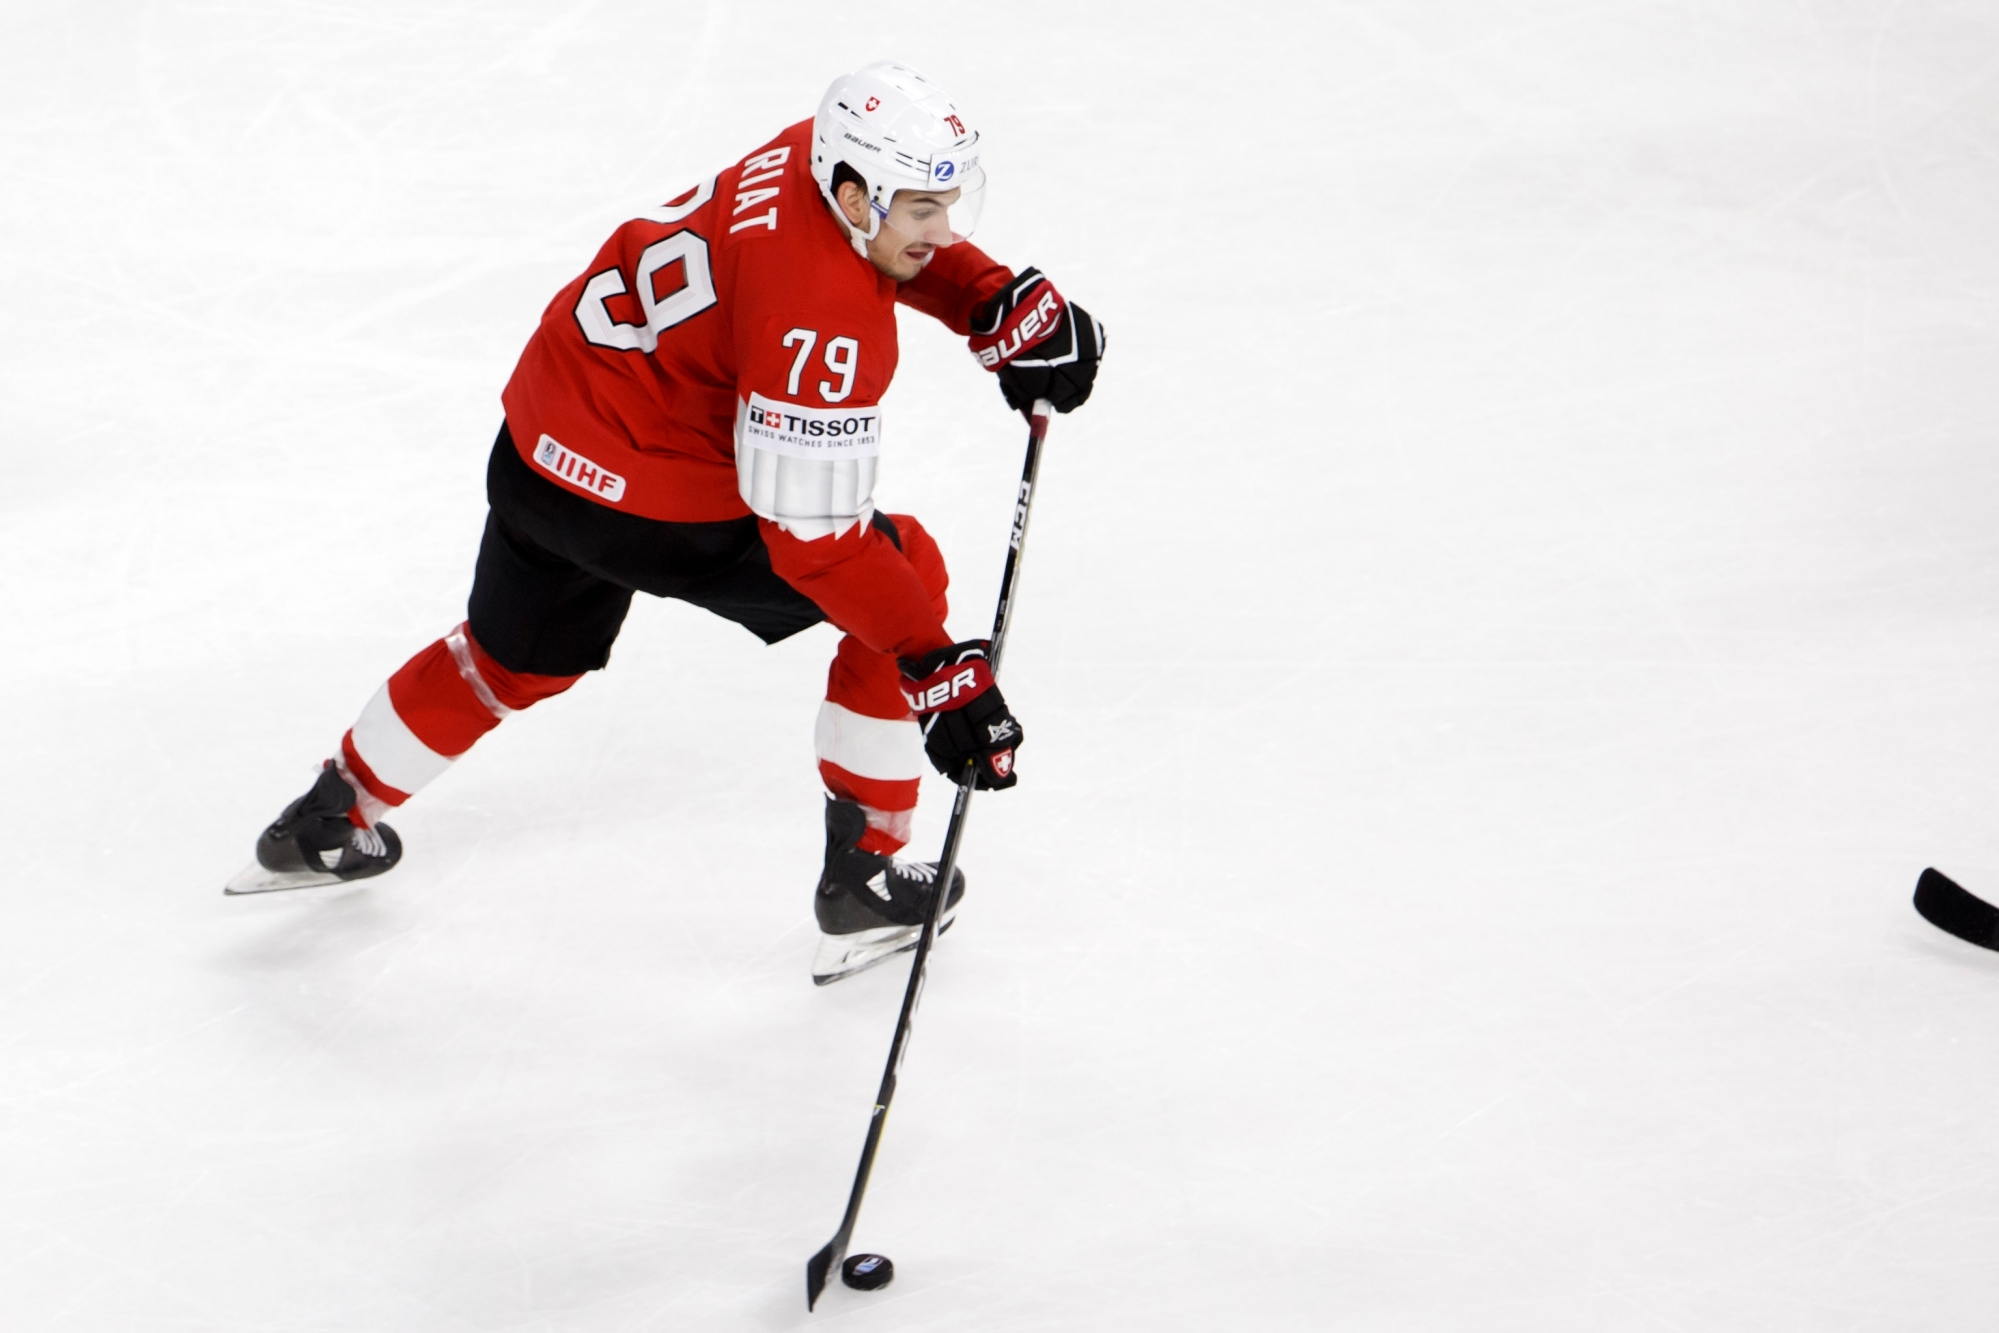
(313, 843)
(870, 906)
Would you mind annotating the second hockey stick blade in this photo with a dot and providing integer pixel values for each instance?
(1952, 908)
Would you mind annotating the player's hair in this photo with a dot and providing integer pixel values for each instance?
(843, 173)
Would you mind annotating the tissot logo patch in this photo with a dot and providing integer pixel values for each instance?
(809, 432)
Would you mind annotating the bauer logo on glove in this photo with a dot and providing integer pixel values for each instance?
(939, 689)
(965, 718)
(1039, 345)
(1019, 328)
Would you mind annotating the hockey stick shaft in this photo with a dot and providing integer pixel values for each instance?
(821, 1264)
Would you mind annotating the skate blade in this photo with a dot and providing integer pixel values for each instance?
(253, 878)
(842, 956)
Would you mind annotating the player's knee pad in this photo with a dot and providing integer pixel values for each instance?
(514, 690)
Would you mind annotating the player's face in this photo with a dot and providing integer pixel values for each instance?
(918, 223)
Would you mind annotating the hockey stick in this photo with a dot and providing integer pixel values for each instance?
(821, 1264)
(1957, 910)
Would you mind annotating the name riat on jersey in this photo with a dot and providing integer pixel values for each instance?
(810, 432)
(761, 181)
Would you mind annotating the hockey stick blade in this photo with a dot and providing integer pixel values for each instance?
(816, 1269)
(1956, 910)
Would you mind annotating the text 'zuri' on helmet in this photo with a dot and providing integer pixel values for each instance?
(897, 131)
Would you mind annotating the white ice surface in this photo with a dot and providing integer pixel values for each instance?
(1519, 612)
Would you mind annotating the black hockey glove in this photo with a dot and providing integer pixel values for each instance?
(963, 713)
(1039, 345)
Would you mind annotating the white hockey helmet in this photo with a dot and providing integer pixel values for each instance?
(897, 131)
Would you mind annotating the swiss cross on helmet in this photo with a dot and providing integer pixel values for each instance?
(897, 131)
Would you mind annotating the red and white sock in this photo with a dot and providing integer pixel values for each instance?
(428, 714)
(877, 762)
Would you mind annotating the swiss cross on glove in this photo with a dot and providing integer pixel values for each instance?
(964, 716)
(1039, 345)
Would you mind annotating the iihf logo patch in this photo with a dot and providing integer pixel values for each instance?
(579, 471)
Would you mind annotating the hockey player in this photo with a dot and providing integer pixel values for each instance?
(697, 416)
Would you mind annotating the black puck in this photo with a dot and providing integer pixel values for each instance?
(867, 1272)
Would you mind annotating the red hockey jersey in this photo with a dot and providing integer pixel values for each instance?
(741, 312)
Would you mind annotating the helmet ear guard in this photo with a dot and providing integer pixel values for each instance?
(895, 130)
